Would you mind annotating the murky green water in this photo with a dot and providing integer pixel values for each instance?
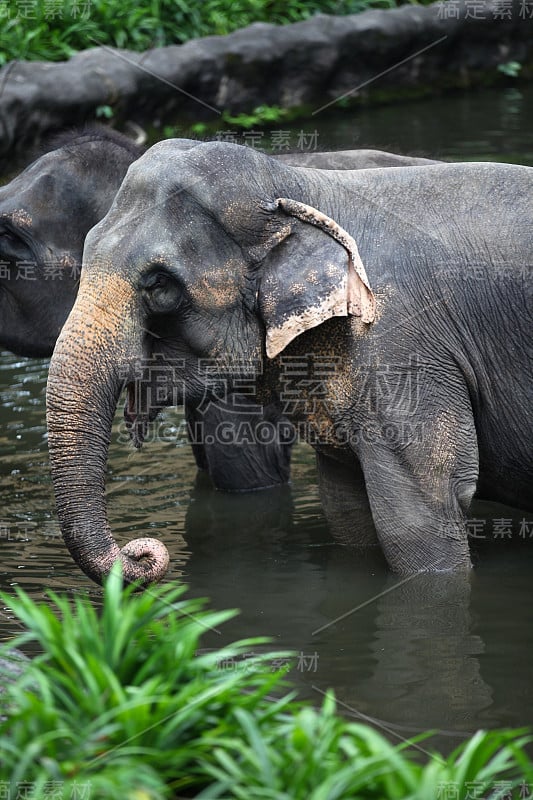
(478, 126)
(440, 652)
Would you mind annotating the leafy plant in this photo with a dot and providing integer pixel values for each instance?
(120, 704)
(55, 30)
(119, 698)
(511, 69)
(199, 128)
(104, 111)
(261, 115)
(316, 755)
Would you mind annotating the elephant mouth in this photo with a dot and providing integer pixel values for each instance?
(137, 420)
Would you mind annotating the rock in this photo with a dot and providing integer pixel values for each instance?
(13, 662)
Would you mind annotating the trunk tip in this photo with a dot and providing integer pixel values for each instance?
(145, 560)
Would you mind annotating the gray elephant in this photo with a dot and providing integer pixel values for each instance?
(417, 390)
(45, 214)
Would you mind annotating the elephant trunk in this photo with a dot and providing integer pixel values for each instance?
(93, 353)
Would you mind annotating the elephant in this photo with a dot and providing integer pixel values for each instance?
(47, 210)
(415, 393)
(45, 214)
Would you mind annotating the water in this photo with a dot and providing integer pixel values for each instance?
(476, 126)
(442, 652)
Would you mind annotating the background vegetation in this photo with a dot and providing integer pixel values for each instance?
(53, 30)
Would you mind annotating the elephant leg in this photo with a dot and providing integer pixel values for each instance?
(196, 437)
(240, 447)
(420, 484)
(345, 502)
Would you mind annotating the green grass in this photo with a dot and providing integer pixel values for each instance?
(119, 699)
(55, 29)
(120, 705)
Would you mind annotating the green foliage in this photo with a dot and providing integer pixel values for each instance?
(316, 755)
(121, 702)
(511, 69)
(56, 30)
(104, 111)
(313, 754)
(198, 129)
(262, 115)
(119, 699)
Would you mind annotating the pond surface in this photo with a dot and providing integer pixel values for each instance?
(443, 652)
(483, 125)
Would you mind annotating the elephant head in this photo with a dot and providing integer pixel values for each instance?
(45, 213)
(205, 282)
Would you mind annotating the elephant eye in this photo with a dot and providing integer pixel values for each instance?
(9, 237)
(161, 291)
(155, 279)
(159, 281)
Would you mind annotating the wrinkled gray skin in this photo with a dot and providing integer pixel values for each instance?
(429, 401)
(45, 214)
(353, 159)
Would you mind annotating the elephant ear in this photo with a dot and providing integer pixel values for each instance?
(313, 272)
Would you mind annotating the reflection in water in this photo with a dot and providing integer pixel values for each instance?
(443, 652)
(408, 653)
(426, 667)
